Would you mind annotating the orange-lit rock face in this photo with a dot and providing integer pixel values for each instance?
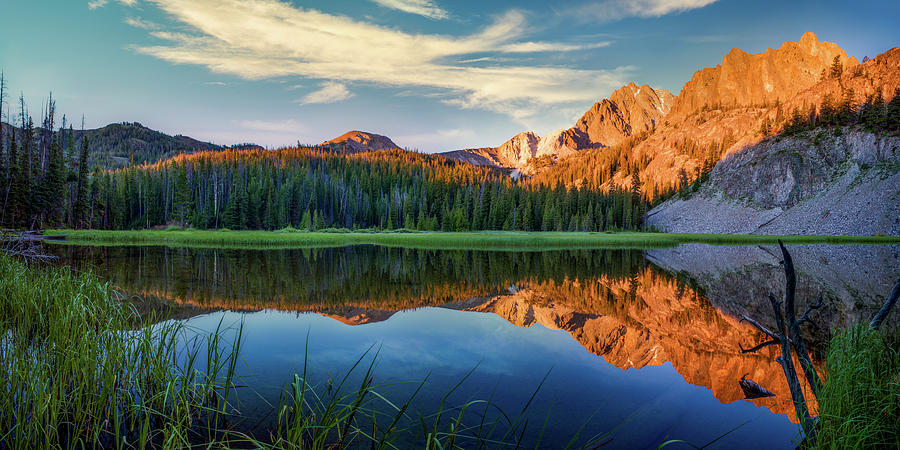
(745, 79)
(629, 110)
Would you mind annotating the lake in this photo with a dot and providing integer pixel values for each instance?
(637, 346)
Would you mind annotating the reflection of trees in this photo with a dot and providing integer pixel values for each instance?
(358, 276)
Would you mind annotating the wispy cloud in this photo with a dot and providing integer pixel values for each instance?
(138, 22)
(330, 92)
(215, 83)
(538, 47)
(426, 8)
(611, 10)
(94, 4)
(258, 39)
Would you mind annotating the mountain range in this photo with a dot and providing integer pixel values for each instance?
(721, 144)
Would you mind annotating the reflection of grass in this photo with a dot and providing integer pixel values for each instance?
(440, 240)
(859, 406)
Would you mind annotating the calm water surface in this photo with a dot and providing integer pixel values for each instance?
(618, 342)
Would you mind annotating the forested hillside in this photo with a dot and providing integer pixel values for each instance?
(119, 144)
(311, 188)
(55, 176)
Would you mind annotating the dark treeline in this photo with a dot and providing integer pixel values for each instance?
(312, 189)
(874, 114)
(50, 178)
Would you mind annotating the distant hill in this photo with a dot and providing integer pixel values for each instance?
(122, 144)
(360, 141)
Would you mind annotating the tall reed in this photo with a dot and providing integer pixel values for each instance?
(78, 376)
(859, 406)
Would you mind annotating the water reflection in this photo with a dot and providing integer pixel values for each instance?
(614, 303)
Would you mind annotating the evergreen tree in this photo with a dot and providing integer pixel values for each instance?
(892, 115)
(81, 208)
(182, 197)
(837, 69)
(15, 195)
(53, 184)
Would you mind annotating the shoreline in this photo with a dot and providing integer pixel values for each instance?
(478, 240)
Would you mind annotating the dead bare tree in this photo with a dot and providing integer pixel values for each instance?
(25, 245)
(789, 337)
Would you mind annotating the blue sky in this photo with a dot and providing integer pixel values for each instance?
(434, 75)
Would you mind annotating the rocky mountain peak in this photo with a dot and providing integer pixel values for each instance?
(629, 110)
(517, 151)
(745, 79)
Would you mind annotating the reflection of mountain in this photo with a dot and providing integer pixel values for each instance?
(648, 320)
(612, 302)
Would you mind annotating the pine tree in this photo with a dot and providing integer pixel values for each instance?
(182, 197)
(837, 69)
(892, 115)
(26, 173)
(80, 209)
(53, 186)
(15, 195)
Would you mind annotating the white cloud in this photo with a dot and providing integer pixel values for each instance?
(611, 10)
(425, 8)
(215, 83)
(537, 47)
(257, 39)
(138, 22)
(94, 4)
(330, 92)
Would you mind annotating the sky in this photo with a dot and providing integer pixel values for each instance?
(433, 75)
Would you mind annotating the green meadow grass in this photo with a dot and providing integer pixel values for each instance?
(487, 240)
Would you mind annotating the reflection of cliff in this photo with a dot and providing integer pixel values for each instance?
(853, 281)
(649, 320)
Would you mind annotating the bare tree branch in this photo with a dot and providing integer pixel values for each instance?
(885, 310)
(759, 327)
(796, 337)
(805, 317)
(790, 373)
(760, 346)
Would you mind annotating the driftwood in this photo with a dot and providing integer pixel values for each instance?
(752, 389)
(789, 337)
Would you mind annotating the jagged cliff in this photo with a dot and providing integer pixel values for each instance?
(629, 111)
(776, 75)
